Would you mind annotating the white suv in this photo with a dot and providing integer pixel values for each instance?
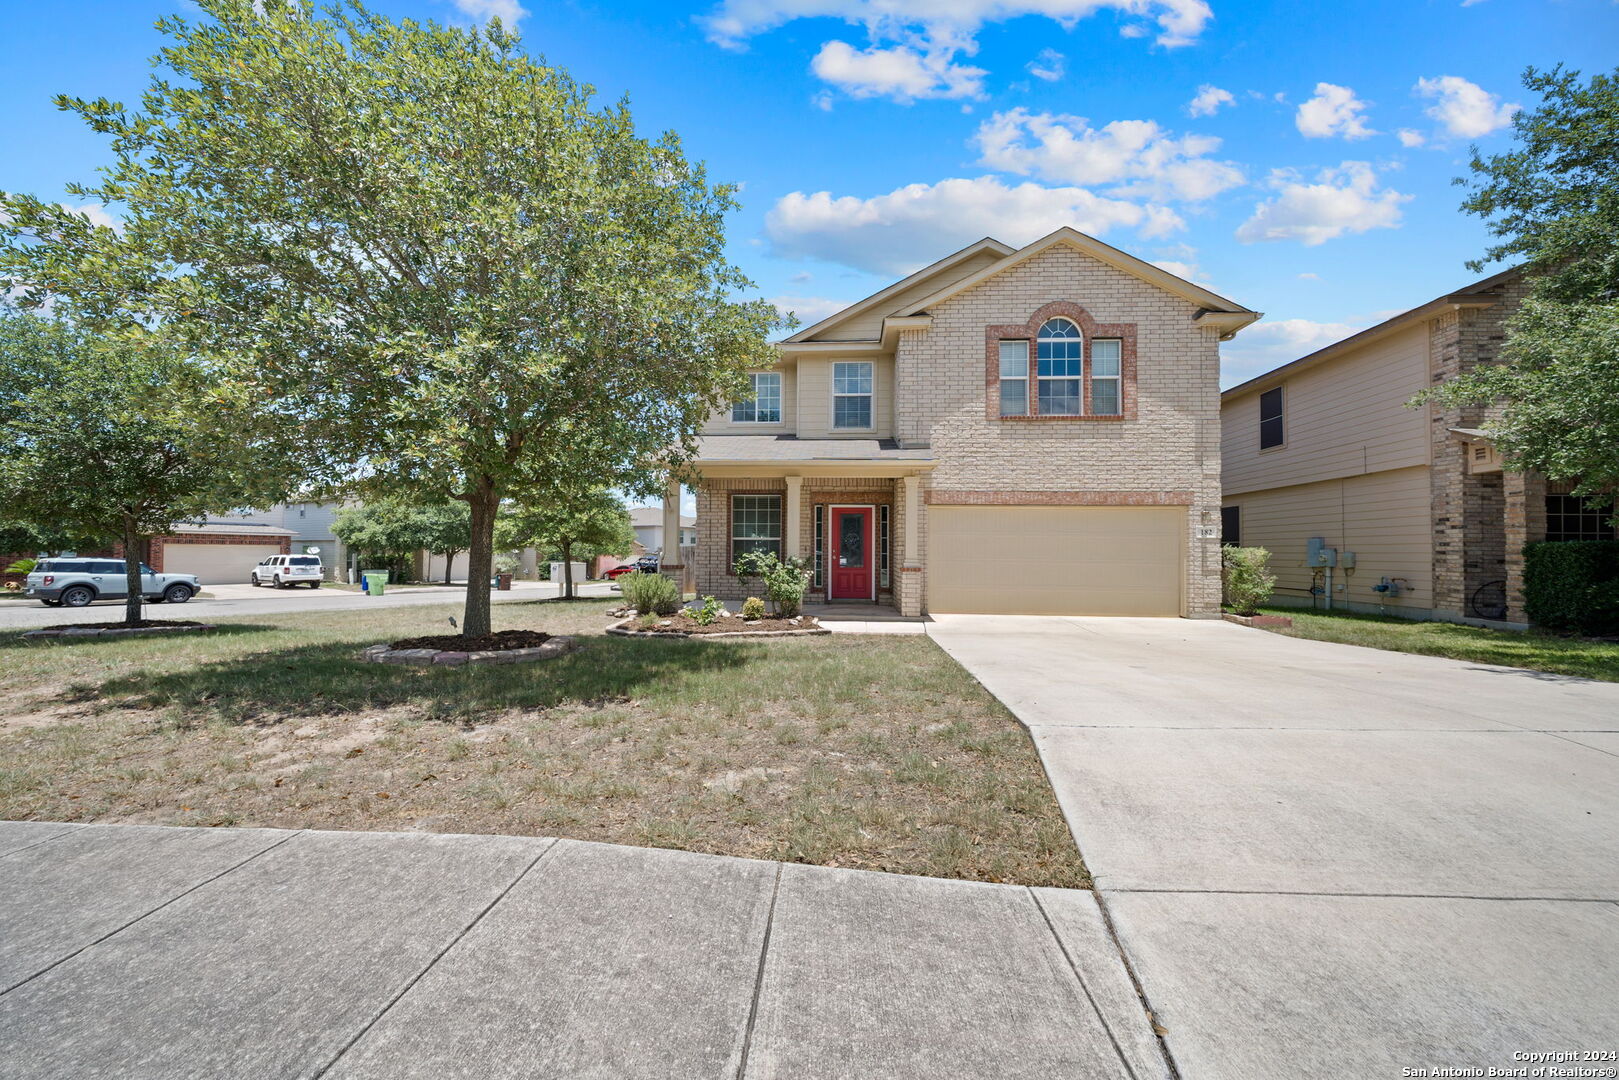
(285, 571)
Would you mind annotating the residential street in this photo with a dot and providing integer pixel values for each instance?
(17, 613)
(1323, 860)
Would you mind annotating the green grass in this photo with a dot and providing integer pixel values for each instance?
(1534, 650)
(870, 752)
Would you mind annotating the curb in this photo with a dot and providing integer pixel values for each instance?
(120, 631)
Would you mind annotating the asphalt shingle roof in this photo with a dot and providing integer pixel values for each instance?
(792, 448)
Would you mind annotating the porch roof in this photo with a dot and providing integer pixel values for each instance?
(785, 449)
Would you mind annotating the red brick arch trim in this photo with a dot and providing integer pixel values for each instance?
(1030, 331)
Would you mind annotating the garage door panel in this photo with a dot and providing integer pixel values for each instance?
(1027, 560)
(217, 564)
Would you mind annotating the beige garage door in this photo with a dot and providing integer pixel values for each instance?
(217, 564)
(1056, 560)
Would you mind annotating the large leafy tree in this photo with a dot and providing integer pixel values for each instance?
(102, 438)
(574, 521)
(432, 255)
(398, 527)
(1552, 201)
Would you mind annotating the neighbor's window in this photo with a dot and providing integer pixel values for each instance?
(851, 394)
(755, 524)
(1270, 419)
(1014, 378)
(1059, 355)
(1569, 518)
(764, 407)
(1106, 356)
(1231, 525)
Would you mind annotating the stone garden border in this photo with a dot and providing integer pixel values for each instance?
(1260, 621)
(383, 654)
(621, 629)
(113, 631)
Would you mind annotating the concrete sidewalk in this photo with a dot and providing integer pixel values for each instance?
(1324, 860)
(149, 952)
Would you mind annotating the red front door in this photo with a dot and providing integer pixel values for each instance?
(851, 554)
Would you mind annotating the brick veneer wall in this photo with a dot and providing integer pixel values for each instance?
(160, 544)
(1172, 445)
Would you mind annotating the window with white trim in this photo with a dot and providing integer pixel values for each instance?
(764, 406)
(819, 581)
(1107, 356)
(883, 546)
(852, 394)
(1014, 378)
(755, 524)
(1059, 360)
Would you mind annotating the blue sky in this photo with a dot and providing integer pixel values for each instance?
(1295, 157)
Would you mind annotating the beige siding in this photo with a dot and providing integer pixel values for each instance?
(815, 398)
(868, 325)
(1381, 517)
(1341, 419)
(720, 423)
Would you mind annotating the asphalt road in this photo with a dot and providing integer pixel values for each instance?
(17, 613)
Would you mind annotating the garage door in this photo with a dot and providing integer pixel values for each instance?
(216, 564)
(1056, 560)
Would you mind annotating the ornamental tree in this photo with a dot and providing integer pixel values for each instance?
(433, 256)
(571, 520)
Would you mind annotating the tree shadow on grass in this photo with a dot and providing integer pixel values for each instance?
(13, 639)
(330, 678)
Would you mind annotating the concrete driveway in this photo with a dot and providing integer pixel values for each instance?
(1323, 860)
(17, 613)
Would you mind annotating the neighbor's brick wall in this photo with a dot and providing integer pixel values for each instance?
(1171, 446)
(160, 544)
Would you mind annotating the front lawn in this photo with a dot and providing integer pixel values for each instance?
(1532, 649)
(871, 752)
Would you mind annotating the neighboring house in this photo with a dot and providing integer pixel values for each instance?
(1029, 430)
(647, 521)
(225, 548)
(1326, 447)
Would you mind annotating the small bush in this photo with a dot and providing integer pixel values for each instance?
(650, 594)
(709, 611)
(1573, 587)
(753, 608)
(22, 566)
(785, 581)
(1245, 578)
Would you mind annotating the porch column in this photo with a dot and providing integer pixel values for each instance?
(913, 514)
(790, 538)
(671, 529)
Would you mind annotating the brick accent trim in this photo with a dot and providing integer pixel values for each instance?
(1057, 498)
(1030, 332)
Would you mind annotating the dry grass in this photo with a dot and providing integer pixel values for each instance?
(871, 752)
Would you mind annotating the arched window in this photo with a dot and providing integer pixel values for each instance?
(1060, 354)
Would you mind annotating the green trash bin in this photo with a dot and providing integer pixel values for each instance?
(376, 582)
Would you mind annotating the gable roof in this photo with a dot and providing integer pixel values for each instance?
(860, 307)
(1209, 303)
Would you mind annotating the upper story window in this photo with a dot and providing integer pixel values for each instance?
(1061, 353)
(764, 407)
(1271, 431)
(1107, 359)
(852, 394)
(1014, 378)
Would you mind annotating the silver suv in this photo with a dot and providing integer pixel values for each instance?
(285, 571)
(78, 582)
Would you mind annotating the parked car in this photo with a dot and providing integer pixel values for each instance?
(648, 564)
(77, 582)
(285, 571)
(619, 571)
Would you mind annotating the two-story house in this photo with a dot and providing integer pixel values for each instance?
(1412, 502)
(1030, 430)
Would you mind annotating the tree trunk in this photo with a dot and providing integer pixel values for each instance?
(567, 569)
(485, 501)
(132, 571)
(449, 565)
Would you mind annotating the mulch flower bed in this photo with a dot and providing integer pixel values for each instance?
(115, 629)
(504, 639)
(681, 624)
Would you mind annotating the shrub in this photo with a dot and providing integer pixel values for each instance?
(753, 608)
(22, 566)
(1245, 578)
(710, 611)
(785, 581)
(651, 594)
(1573, 586)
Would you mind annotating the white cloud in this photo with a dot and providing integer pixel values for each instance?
(1050, 65)
(1410, 137)
(1341, 200)
(1139, 157)
(96, 214)
(1208, 101)
(509, 12)
(1334, 110)
(1308, 276)
(902, 72)
(1271, 343)
(912, 226)
(1464, 109)
(809, 309)
(909, 38)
